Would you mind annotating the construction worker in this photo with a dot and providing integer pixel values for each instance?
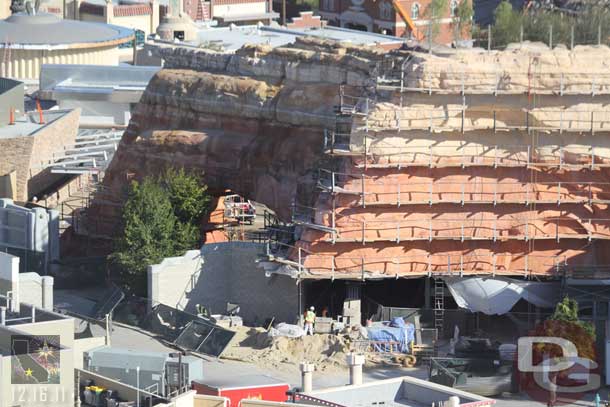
(310, 319)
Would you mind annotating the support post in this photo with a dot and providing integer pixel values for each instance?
(2, 316)
(572, 37)
(489, 38)
(363, 193)
(355, 362)
(398, 195)
(307, 370)
(551, 36)
(521, 34)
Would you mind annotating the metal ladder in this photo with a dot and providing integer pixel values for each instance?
(439, 306)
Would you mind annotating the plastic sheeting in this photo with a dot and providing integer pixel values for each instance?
(496, 296)
(397, 331)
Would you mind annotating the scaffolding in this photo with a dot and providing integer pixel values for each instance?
(349, 229)
(310, 265)
(498, 82)
(374, 152)
(371, 192)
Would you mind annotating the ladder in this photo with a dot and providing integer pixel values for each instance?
(439, 306)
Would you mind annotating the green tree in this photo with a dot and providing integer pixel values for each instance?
(149, 226)
(436, 10)
(187, 194)
(463, 18)
(160, 219)
(507, 25)
(567, 311)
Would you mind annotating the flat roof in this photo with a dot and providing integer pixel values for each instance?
(89, 79)
(243, 381)
(29, 123)
(235, 37)
(47, 31)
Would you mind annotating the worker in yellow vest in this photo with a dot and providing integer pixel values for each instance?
(310, 319)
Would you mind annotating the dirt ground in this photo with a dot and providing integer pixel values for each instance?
(254, 345)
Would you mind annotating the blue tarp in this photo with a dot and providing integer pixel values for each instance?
(396, 331)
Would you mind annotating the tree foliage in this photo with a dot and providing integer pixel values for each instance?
(567, 311)
(436, 10)
(507, 26)
(590, 25)
(187, 194)
(463, 16)
(160, 219)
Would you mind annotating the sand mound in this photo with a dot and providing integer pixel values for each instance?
(253, 345)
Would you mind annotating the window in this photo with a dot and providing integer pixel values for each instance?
(415, 11)
(453, 8)
(328, 5)
(385, 11)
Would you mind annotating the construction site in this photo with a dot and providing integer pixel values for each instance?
(394, 183)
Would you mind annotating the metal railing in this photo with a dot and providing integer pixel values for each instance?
(350, 230)
(466, 118)
(373, 152)
(374, 192)
(498, 82)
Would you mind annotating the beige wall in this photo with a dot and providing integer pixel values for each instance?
(263, 403)
(5, 9)
(25, 155)
(50, 140)
(15, 157)
(230, 10)
(8, 185)
(142, 23)
(83, 345)
(96, 18)
(210, 401)
(25, 64)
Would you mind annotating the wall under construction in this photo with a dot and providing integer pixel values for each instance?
(397, 164)
(478, 162)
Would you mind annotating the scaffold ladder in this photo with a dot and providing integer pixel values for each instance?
(439, 305)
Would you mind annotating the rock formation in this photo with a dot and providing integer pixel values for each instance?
(471, 163)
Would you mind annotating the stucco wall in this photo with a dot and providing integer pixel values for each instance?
(221, 273)
(26, 154)
(15, 157)
(50, 140)
(233, 10)
(25, 64)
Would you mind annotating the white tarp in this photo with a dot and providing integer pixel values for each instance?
(495, 296)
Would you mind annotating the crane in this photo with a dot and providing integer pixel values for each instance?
(405, 16)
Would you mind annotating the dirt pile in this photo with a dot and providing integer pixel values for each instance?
(254, 345)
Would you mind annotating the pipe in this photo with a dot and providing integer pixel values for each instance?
(355, 362)
(306, 376)
(33, 314)
(3, 316)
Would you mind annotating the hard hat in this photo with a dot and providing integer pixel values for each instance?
(311, 308)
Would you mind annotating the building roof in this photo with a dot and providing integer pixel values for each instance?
(112, 357)
(47, 31)
(128, 10)
(29, 123)
(234, 37)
